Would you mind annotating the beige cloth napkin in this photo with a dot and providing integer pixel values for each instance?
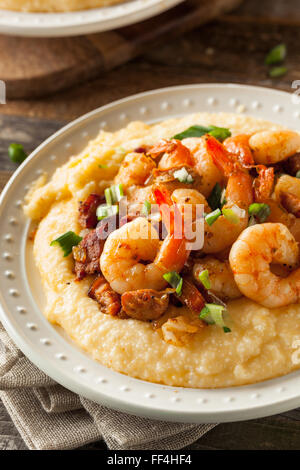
(50, 417)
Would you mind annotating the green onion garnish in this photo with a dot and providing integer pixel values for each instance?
(214, 198)
(219, 133)
(260, 210)
(102, 165)
(233, 214)
(276, 72)
(183, 176)
(277, 54)
(113, 194)
(104, 211)
(175, 280)
(108, 196)
(226, 329)
(67, 241)
(223, 198)
(213, 216)
(17, 153)
(146, 208)
(213, 315)
(298, 174)
(204, 278)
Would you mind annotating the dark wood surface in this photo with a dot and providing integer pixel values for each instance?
(32, 68)
(231, 49)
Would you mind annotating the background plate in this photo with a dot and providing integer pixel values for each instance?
(21, 297)
(81, 22)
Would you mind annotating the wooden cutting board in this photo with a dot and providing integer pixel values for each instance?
(33, 67)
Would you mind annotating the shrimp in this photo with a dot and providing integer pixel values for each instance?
(178, 331)
(287, 184)
(270, 147)
(220, 275)
(263, 184)
(183, 196)
(250, 259)
(175, 154)
(287, 193)
(132, 244)
(280, 215)
(222, 233)
(239, 146)
(134, 170)
(238, 195)
(203, 164)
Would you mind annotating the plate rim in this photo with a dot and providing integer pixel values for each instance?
(145, 409)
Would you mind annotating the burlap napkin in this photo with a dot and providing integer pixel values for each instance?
(50, 417)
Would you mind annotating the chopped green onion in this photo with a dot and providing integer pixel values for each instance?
(298, 174)
(213, 216)
(67, 241)
(17, 153)
(233, 214)
(260, 210)
(113, 194)
(193, 131)
(102, 165)
(146, 208)
(104, 211)
(118, 193)
(226, 329)
(204, 278)
(213, 315)
(183, 176)
(223, 198)
(108, 196)
(219, 133)
(277, 54)
(215, 197)
(175, 280)
(277, 72)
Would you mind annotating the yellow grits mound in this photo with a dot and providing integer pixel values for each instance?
(54, 5)
(263, 342)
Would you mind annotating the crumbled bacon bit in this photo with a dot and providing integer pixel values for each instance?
(87, 210)
(108, 300)
(87, 255)
(191, 297)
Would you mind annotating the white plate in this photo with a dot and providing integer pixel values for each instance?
(21, 295)
(81, 22)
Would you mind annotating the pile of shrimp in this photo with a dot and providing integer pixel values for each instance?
(243, 255)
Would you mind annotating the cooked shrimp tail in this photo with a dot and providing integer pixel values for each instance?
(175, 154)
(239, 146)
(264, 183)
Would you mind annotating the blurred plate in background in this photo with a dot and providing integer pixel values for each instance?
(81, 22)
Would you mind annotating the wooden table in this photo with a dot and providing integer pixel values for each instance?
(231, 49)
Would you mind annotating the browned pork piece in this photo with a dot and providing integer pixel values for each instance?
(108, 300)
(191, 297)
(87, 254)
(291, 203)
(87, 210)
(145, 304)
(292, 164)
